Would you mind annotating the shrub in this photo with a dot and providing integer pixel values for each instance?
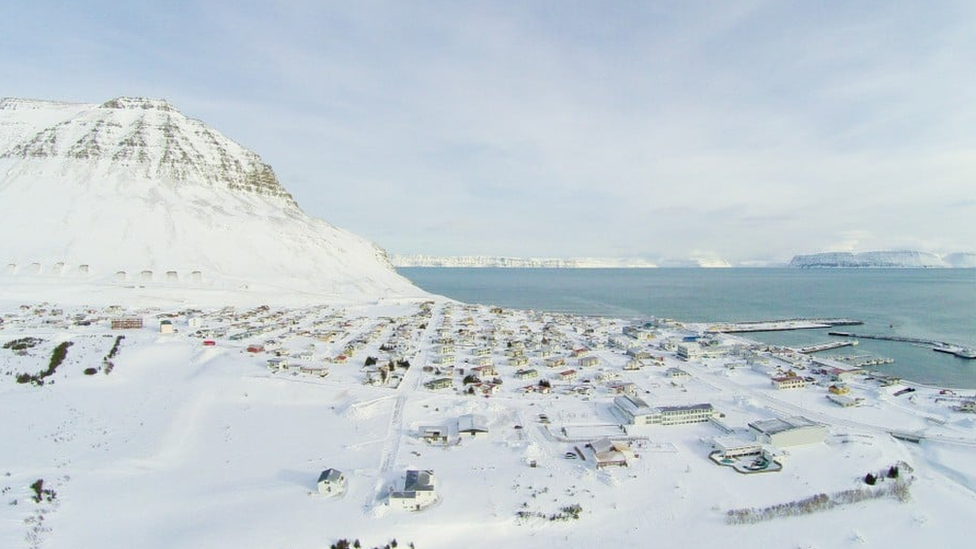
(91, 371)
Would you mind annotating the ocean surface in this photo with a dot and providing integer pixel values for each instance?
(935, 304)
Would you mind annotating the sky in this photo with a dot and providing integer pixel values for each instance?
(747, 131)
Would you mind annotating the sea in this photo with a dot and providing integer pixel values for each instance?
(930, 304)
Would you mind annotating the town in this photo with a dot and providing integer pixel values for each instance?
(545, 416)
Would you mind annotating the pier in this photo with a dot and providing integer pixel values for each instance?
(940, 346)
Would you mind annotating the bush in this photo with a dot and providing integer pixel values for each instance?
(22, 344)
(91, 371)
(870, 479)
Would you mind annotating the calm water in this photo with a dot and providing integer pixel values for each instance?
(936, 304)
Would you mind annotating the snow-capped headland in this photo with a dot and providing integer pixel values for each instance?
(131, 193)
(883, 260)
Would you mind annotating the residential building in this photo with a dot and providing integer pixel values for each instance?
(331, 482)
(788, 382)
(588, 361)
(418, 491)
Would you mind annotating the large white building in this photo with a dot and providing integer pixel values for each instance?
(637, 412)
(791, 431)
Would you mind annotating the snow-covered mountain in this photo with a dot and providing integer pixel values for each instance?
(883, 259)
(517, 262)
(133, 191)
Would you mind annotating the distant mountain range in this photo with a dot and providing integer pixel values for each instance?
(826, 260)
(517, 262)
(884, 260)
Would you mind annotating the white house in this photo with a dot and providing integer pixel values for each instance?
(418, 491)
(472, 424)
(332, 482)
(607, 453)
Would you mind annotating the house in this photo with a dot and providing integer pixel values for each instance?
(638, 333)
(568, 375)
(519, 361)
(484, 371)
(526, 374)
(332, 482)
(607, 453)
(255, 348)
(623, 387)
(320, 371)
(418, 491)
(789, 382)
(639, 354)
(435, 434)
(790, 431)
(587, 361)
(126, 323)
(166, 327)
(440, 383)
(472, 424)
(444, 359)
(844, 401)
(555, 362)
(676, 373)
(838, 389)
(968, 406)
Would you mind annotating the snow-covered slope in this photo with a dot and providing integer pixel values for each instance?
(134, 191)
(887, 259)
(517, 262)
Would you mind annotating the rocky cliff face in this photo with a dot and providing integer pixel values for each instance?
(133, 190)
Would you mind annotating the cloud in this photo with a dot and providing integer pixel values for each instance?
(752, 130)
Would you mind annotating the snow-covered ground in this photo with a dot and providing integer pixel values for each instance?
(184, 444)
